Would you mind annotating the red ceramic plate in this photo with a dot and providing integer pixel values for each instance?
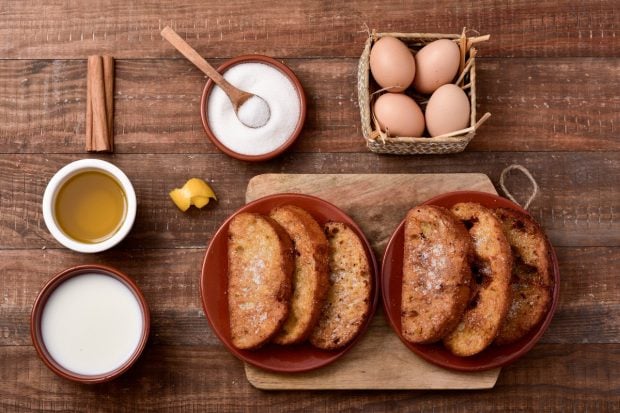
(214, 281)
(391, 280)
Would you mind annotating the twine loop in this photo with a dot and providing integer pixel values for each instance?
(529, 176)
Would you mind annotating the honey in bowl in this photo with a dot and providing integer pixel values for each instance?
(90, 207)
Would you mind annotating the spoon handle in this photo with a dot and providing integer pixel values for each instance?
(236, 96)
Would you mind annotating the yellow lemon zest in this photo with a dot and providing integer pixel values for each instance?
(195, 192)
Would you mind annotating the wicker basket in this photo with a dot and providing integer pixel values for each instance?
(377, 140)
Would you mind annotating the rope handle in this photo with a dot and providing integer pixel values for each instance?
(529, 176)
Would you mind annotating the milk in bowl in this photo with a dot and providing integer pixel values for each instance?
(92, 324)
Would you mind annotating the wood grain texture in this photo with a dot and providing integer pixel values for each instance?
(131, 30)
(548, 74)
(588, 311)
(537, 105)
(552, 377)
(577, 205)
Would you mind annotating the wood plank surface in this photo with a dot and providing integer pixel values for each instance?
(588, 311)
(553, 104)
(578, 204)
(60, 29)
(552, 377)
(549, 75)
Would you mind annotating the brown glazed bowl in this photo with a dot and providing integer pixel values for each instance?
(214, 285)
(37, 311)
(391, 283)
(204, 101)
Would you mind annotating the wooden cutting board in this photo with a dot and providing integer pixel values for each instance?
(377, 202)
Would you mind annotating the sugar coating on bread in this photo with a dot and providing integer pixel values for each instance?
(260, 269)
(531, 280)
(349, 296)
(436, 274)
(491, 295)
(310, 278)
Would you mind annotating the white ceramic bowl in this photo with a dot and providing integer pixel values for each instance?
(70, 170)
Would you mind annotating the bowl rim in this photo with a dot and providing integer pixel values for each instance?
(39, 305)
(70, 170)
(525, 344)
(223, 228)
(255, 58)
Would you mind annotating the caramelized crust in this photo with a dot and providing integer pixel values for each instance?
(348, 299)
(436, 274)
(310, 278)
(531, 280)
(260, 269)
(490, 298)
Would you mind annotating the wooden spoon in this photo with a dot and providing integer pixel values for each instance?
(252, 110)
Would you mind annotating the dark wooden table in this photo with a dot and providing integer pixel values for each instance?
(550, 77)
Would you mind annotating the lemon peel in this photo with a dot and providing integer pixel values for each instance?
(195, 192)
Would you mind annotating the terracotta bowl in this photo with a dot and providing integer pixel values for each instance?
(214, 283)
(391, 283)
(204, 101)
(37, 311)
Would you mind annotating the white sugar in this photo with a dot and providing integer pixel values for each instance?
(284, 105)
(433, 262)
(254, 112)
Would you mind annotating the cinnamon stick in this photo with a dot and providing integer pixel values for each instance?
(108, 81)
(89, 114)
(99, 109)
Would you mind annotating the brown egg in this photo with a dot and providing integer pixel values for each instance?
(392, 64)
(447, 110)
(399, 115)
(436, 64)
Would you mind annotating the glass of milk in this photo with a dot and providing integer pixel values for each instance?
(90, 323)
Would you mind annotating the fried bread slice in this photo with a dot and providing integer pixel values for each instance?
(310, 278)
(491, 269)
(260, 271)
(348, 299)
(436, 274)
(531, 280)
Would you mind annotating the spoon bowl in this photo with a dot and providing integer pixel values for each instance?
(254, 112)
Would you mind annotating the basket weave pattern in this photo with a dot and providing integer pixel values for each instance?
(376, 140)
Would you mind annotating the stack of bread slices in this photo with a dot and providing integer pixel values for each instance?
(473, 276)
(291, 280)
